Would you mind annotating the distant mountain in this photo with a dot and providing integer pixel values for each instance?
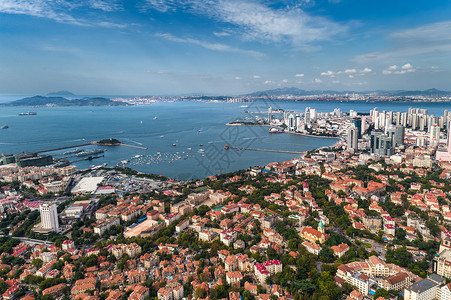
(429, 92)
(61, 94)
(61, 101)
(299, 92)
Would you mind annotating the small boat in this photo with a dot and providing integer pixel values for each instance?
(200, 145)
(141, 122)
(30, 113)
(155, 118)
(244, 106)
(4, 127)
(162, 136)
(188, 149)
(174, 145)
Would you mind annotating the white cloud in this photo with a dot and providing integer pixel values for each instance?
(269, 82)
(285, 81)
(221, 34)
(60, 10)
(317, 80)
(299, 75)
(393, 68)
(366, 70)
(431, 40)
(406, 68)
(350, 71)
(256, 77)
(237, 78)
(328, 73)
(207, 45)
(351, 76)
(336, 81)
(258, 20)
(105, 5)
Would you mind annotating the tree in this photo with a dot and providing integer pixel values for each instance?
(381, 293)
(326, 254)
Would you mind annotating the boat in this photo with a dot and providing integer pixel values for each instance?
(244, 106)
(162, 136)
(155, 118)
(4, 127)
(174, 145)
(188, 149)
(200, 145)
(30, 113)
(86, 153)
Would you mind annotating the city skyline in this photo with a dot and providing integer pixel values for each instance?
(222, 46)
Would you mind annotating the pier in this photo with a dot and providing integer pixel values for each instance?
(61, 148)
(265, 150)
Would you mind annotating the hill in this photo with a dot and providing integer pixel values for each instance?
(61, 101)
(292, 91)
(61, 94)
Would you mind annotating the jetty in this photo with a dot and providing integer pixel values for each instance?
(265, 150)
(61, 148)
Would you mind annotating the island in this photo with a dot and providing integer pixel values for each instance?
(108, 142)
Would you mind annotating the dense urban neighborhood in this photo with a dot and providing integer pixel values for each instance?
(368, 218)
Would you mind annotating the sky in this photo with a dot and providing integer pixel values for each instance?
(222, 47)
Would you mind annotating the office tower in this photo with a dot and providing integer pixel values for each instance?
(352, 113)
(388, 123)
(398, 138)
(269, 114)
(353, 140)
(398, 118)
(358, 124)
(49, 216)
(381, 144)
(291, 122)
(375, 140)
(434, 137)
(390, 116)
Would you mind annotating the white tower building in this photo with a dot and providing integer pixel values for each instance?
(49, 216)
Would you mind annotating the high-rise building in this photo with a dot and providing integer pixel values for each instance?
(269, 115)
(381, 144)
(358, 124)
(353, 140)
(398, 139)
(49, 216)
(434, 137)
(291, 122)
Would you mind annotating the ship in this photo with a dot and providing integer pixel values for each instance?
(244, 106)
(4, 127)
(174, 145)
(155, 118)
(30, 113)
(86, 153)
(274, 130)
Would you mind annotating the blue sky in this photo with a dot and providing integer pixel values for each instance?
(157, 47)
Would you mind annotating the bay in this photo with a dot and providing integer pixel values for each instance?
(197, 129)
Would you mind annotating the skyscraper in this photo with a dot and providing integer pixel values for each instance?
(49, 216)
(358, 124)
(353, 140)
(434, 137)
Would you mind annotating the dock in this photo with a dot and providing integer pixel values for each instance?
(61, 148)
(266, 150)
